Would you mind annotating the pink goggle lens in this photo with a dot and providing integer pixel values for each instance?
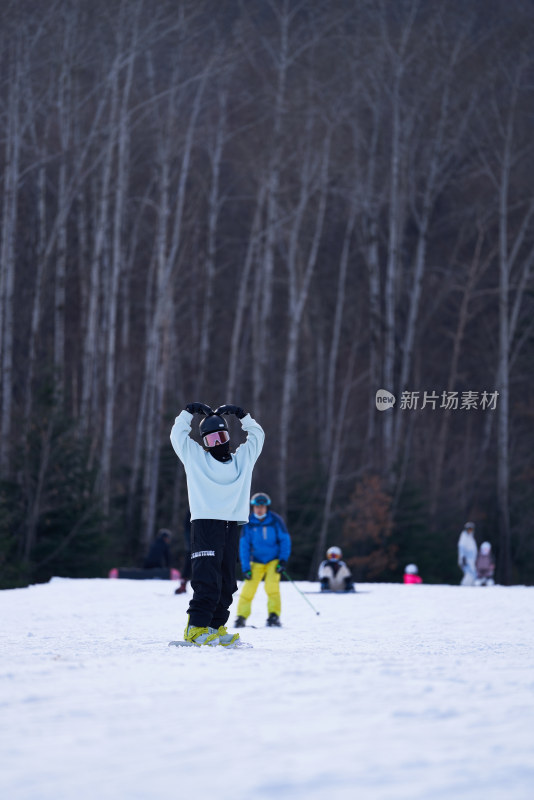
(215, 438)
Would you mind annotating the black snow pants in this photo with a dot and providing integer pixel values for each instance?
(214, 548)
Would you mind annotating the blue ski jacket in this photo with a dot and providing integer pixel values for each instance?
(263, 540)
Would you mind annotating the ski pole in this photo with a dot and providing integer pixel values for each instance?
(298, 590)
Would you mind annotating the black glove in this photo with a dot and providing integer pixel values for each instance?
(199, 408)
(248, 575)
(280, 567)
(230, 409)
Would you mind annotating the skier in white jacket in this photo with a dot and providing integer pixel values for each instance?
(218, 486)
(467, 554)
(334, 574)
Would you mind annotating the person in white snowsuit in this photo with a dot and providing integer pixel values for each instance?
(334, 574)
(467, 554)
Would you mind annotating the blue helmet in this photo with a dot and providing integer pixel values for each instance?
(260, 499)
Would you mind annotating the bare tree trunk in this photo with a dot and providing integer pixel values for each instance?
(242, 296)
(35, 501)
(503, 465)
(33, 495)
(370, 231)
(90, 349)
(7, 264)
(167, 257)
(336, 452)
(463, 316)
(260, 362)
(394, 224)
(121, 190)
(398, 56)
(333, 353)
(36, 305)
(375, 454)
(213, 216)
(59, 287)
(81, 227)
(298, 296)
(508, 255)
(65, 122)
(423, 218)
(135, 470)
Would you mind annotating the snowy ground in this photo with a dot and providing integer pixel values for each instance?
(422, 692)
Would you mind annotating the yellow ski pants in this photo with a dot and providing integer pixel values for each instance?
(272, 588)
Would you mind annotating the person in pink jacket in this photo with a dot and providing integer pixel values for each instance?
(485, 566)
(411, 574)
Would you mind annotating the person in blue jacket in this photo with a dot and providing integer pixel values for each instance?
(264, 549)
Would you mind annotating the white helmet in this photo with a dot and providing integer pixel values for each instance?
(411, 569)
(485, 548)
(334, 553)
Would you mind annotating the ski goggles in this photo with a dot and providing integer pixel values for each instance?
(261, 500)
(215, 438)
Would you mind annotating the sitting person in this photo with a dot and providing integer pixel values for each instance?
(159, 554)
(186, 571)
(157, 563)
(411, 574)
(485, 566)
(334, 574)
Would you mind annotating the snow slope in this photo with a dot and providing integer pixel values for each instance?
(398, 692)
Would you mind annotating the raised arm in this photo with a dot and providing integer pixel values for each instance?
(255, 436)
(183, 445)
(255, 433)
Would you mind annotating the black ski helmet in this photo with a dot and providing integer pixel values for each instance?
(212, 424)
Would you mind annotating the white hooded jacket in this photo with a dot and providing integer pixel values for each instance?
(336, 577)
(467, 548)
(217, 490)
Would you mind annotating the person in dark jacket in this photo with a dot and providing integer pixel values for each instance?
(186, 570)
(159, 554)
(264, 549)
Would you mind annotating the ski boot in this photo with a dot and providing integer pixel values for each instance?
(226, 639)
(181, 589)
(273, 621)
(240, 622)
(199, 635)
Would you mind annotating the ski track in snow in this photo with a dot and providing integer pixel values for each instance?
(422, 692)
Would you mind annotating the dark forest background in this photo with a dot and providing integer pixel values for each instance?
(286, 205)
